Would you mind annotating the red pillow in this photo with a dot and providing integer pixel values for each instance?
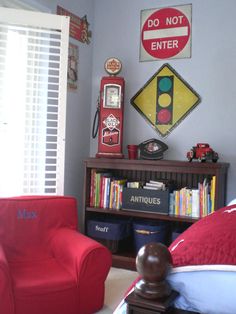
(210, 241)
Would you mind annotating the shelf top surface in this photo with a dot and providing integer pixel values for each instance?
(112, 162)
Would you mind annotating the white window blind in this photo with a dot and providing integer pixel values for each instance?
(33, 71)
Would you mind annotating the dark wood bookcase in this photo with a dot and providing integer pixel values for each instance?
(183, 173)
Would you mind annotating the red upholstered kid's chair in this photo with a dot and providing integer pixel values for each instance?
(46, 265)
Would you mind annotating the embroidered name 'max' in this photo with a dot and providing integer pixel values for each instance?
(26, 214)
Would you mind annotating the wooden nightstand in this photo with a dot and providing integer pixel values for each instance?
(138, 305)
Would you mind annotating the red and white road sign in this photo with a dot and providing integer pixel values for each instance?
(166, 33)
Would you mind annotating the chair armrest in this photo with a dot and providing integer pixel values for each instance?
(89, 263)
(6, 293)
(80, 255)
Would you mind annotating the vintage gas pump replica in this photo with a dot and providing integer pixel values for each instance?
(110, 112)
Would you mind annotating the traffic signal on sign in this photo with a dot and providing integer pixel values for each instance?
(164, 100)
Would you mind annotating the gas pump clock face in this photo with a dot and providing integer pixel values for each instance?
(112, 97)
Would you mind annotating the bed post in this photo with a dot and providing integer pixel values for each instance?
(152, 293)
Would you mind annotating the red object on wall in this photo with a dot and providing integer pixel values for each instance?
(165, 32)
(110, 133)
(79, 27)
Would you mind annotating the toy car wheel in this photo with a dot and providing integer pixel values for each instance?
(190, 155)
(200, 159)
(189, 158)
(215, 157)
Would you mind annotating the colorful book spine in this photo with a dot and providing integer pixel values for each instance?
(102, 187)
(195, 203)
(177, 204)
(213, 193)
(97, 189)
(188, 202)
(171, 204)
(106, 191)
(92, 188)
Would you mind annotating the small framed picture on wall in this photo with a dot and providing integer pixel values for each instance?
(73, 59)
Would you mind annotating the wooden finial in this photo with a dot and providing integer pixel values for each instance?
(153, 263)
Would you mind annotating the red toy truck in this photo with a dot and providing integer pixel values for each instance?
(202, 152)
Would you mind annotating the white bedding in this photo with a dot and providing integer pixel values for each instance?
(207, 289)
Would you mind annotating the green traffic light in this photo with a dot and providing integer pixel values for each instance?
(165, 84)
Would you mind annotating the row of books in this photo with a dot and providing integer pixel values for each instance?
(106, 190)
(194, 203)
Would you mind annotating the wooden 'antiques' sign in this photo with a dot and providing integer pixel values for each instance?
(78, 26)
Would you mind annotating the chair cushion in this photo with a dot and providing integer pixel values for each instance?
(41, 277)
(44, 287)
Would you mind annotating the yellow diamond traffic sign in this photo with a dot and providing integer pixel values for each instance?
(165, 100)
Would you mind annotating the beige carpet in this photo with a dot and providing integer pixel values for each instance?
(118, 281)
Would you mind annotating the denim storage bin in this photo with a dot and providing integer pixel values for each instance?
(145, 233)
(177, 232)
(109, 232)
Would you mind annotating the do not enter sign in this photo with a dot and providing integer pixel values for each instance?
(166, 33)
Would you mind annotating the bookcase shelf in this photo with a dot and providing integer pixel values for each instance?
(183, 173)
(140, 214)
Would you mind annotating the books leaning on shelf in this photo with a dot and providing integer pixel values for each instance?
(116, 189)
(99, 187)
(195, 203)
(105, 190)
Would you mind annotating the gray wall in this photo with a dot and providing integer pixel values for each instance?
(210, 71)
